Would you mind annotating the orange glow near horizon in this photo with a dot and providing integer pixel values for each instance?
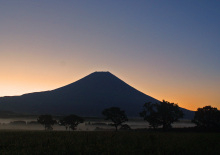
(154, 47)
(27, 71)
(189, 99)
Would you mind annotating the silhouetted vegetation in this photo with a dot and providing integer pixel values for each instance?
(163, 113)
(18, 123)
(32, 123)
(207, 117)
(71, 121)
(47, 121)
(116, 115)
(125, 127)
(150, 115)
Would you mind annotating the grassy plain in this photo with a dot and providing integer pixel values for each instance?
(108, 142)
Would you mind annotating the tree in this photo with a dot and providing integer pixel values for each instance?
(207, 117)
(116, 115)
(71, 121)
(47, 121)
(150, 115)
(163, 113)
(125, 127)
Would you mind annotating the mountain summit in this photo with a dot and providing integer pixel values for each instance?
(86, 97)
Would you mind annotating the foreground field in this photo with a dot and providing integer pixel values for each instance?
(58, 142)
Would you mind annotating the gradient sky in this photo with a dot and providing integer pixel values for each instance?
(167, 49)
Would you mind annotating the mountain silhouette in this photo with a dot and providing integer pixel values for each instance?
(85, 97)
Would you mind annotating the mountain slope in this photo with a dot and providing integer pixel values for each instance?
(86, 97)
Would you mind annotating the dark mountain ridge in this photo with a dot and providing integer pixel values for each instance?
(86, 97)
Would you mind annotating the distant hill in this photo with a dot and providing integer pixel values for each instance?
(85, 97)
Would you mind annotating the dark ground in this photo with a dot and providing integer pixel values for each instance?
(109, 142)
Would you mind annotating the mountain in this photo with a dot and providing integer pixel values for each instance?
(85, 97)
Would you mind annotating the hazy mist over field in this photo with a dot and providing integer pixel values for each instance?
(97, 124)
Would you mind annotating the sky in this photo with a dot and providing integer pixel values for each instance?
(166, 49)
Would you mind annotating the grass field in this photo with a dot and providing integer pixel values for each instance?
(59, 142)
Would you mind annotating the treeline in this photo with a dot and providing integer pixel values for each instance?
(69, 122)
(161, 114)
(165, 113)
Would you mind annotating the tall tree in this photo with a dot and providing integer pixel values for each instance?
(163, 113)
(207, 117)
(150, 115)
(47, 121)
(116, 115)
(71, 121)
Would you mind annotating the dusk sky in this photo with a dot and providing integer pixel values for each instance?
(166, 49)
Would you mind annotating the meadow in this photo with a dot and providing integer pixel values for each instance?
(108, 142)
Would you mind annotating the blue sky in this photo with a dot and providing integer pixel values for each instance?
(166, 49)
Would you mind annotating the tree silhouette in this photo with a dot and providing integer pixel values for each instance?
(207, 117)
(71, 121)
(150, 115)
(163, 113)
(116, 115)
(47, 121)
(125, 127)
